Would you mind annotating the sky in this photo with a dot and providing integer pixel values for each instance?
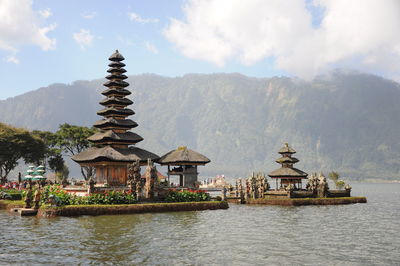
(58, 41)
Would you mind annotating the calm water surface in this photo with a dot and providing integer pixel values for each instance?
(359, 234)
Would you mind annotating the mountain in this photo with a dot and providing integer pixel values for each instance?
(348, 122)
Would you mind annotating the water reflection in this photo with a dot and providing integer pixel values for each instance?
(360, 234)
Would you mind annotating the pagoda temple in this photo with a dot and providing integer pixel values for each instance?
(114, 145)
(287, 173)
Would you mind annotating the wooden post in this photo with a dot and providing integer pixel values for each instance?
(169, 184)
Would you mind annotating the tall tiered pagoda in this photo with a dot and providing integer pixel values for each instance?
(114, 145)
(287, 174)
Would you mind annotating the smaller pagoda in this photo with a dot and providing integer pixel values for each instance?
(287, 174)
(184, 164)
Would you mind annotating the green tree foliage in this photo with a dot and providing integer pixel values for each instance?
(62, 174)
(16, 144)
(335, 176)
(53, 157)
(73, 140)
(56, 162)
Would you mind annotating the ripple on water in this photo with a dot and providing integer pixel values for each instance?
(360, 234)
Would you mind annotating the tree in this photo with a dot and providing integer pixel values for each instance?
(16, 144)
(56, 162)
(53, 155)
(73, 140)
(62, 174)
(334, 176)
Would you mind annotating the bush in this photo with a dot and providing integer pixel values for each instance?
(10, 194)
(340, 184)
(187, 196)
(111, 197)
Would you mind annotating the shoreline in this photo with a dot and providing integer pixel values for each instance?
(95, 210)
(308, 201)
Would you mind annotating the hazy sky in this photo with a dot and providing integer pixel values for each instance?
(48, 41)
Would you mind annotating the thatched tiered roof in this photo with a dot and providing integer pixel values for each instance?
(183, 155)
(287, 171)
(113, 140)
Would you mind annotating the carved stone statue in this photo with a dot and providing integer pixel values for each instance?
(312, 183)
(36, 199)
(248, 189)
(241, 194)
(253, 187)
(224, 193)
(323, 187)
(151, 179)
(237, 188)
(28, 198)
(90, 185)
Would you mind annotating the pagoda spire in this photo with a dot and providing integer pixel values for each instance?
(114, 127)
(114, 145)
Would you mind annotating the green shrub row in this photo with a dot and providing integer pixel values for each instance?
(63, 198)
(187, 196)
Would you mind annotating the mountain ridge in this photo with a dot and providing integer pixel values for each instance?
(346, 122)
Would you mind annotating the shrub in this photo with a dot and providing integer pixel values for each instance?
(110, 197)
(187, 196)
(340, 184)
(10, 194)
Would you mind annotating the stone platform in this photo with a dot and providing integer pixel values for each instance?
(308, 201)
(24, 211)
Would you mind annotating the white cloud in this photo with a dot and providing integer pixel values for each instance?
(89, 15)
(12, 59)
(135, 17)
(20, 26)
(83, 38)
(45, 13)
(360, 33)
(150, 47)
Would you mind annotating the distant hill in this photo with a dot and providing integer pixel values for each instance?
(345, 122)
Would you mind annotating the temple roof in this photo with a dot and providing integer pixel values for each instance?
(113, 122)
(286, 172)
(115, 91)
(116, 76)
(287, 160)
(115, 111)
(116, 83)
(116, 56)
(116, 70)
(116, 100)
(183, 155)
(109, 135)
(286, 149)
(111, 154)
(113, 141)
(116, 64)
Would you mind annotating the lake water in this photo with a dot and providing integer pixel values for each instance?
(358, 234)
